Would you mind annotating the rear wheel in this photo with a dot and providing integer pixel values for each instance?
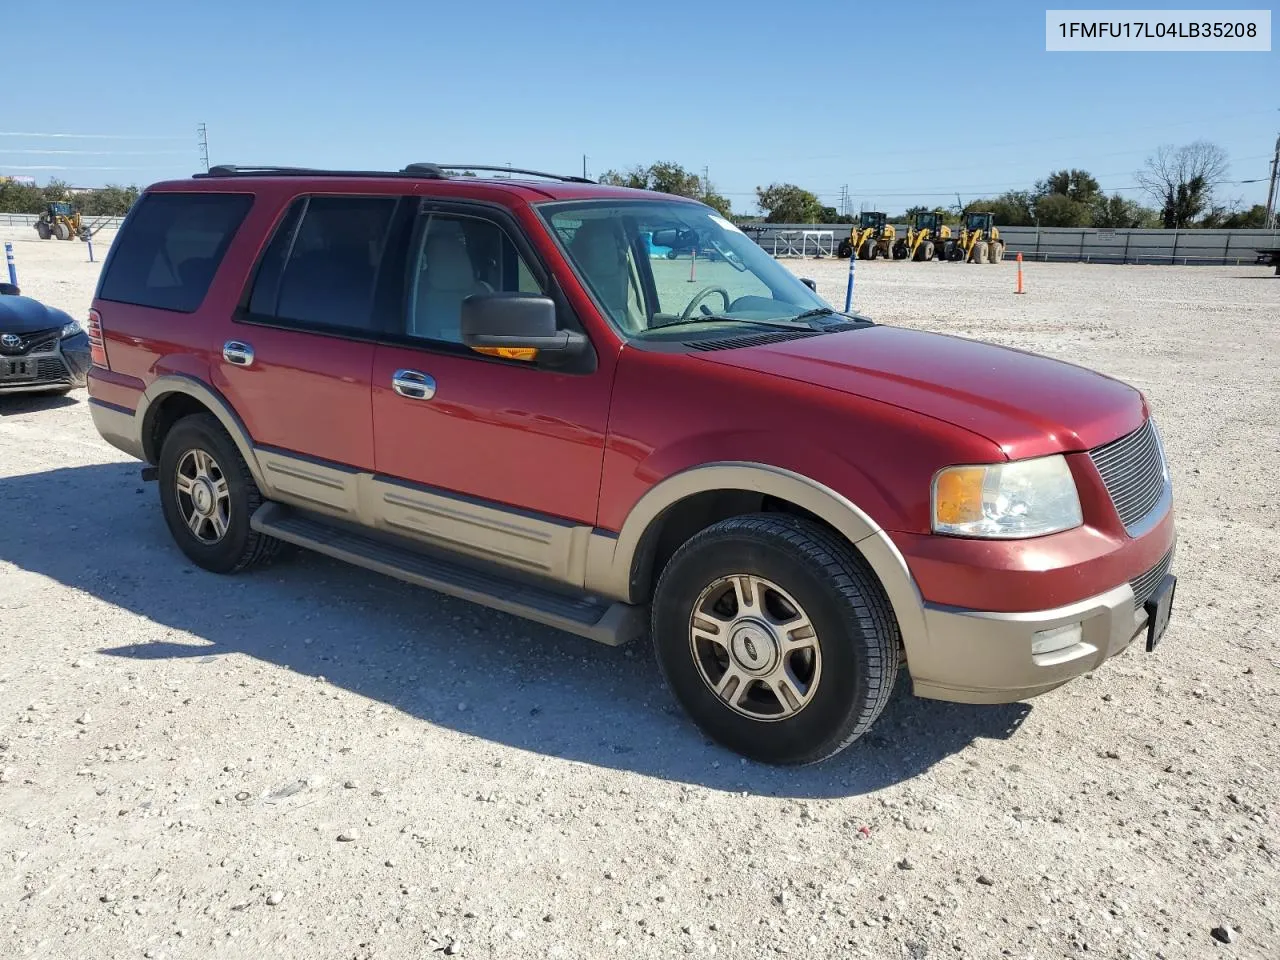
(955, 252)
(775, 637)
(207, 495)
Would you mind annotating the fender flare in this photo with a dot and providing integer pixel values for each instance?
(610, 560)
(170, 384)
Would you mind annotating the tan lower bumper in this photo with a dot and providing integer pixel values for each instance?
(977, 657)
(118, 427)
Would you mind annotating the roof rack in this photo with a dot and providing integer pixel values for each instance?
(257, 170)
(492, 169)
(432, 171)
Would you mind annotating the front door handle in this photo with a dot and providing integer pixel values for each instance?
(237, 352)
(412, 384)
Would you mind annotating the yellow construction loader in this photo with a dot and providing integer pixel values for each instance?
(927, 238)
(979, 240)
(62, 221)
(872, 237)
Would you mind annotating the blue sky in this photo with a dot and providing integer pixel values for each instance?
(904, 102)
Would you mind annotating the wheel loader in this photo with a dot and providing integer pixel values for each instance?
(979, 240)
(62, 221)
(927, 238)
(872, 237)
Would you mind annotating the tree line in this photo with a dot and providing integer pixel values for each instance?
(109, 201)
(1181, 183)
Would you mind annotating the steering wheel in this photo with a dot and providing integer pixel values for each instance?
(702, 295)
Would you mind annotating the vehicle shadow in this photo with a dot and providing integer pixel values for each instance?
(19, 403)
(440, 660)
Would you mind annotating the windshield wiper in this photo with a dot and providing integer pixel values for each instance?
(720, 318)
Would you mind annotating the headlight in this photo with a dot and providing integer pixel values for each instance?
(71, 329)
(1023, 498)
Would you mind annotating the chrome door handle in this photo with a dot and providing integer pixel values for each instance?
(412, 384)
(241, 354)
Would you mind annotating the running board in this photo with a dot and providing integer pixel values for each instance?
(612, 624)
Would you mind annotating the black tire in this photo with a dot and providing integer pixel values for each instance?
(855, 629)
(42, 230)
(867, 250)
(240, 547)
(845, 250)
(62, 231)
(955, 253)
(925, 251)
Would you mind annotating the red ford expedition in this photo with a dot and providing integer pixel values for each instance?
(525, 391)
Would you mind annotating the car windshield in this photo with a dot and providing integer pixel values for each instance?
(653, 264)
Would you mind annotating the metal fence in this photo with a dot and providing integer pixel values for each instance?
(1076, 244)
(29, 219)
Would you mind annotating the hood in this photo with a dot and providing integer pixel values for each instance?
(24, 315)
(1026, 404)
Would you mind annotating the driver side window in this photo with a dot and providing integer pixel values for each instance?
(454, 257)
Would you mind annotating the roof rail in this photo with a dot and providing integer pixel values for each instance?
(493, 169)
(433, 171)
(418, 170)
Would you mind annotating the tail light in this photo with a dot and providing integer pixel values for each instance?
(97, 346)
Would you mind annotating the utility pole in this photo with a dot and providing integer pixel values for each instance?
(706, 181)
(202, 140)
(584, 166)
(1271, 191)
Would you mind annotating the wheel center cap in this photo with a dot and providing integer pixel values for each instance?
(753, 647)
(202, 497)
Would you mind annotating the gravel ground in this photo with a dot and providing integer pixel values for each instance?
(314, 761)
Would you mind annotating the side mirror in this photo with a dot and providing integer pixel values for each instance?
(516, 326)
(810, 283)
(9, 290)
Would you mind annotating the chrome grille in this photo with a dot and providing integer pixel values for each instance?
(1145, 585)
(1132, 468)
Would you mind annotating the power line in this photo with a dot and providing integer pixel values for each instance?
(89, 136)
(92, 153)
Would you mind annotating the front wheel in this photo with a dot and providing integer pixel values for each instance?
(775, 638)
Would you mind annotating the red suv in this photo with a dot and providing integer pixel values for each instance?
(496, 388)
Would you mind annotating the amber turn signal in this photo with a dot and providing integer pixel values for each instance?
(958, 496)
(509, 353)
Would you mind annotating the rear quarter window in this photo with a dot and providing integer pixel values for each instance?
(170, 249)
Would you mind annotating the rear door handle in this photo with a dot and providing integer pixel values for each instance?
(412, 384)
(237, 352)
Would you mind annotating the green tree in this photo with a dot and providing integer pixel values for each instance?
(672, 178)
(1181, 180)
(109, 201)
(1059, 210)
(1015, 208)
(1078, 185)
(1221, 218)
(787, 203)
(1116, 212)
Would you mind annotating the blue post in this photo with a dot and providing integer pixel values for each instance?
(13, 267)
(89, 241)
(848, 294)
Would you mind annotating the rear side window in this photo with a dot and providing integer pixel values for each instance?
(169, 252)
(321, 267)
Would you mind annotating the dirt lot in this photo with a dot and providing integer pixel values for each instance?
(182, 755)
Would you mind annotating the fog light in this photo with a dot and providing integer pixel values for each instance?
(1059, 638)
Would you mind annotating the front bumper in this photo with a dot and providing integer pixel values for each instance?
(63, 364)
(982, 657)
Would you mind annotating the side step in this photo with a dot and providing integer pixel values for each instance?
(609, 623)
